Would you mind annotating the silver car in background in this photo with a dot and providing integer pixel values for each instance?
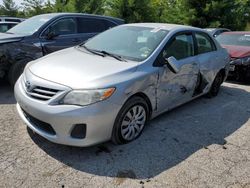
(109, 87)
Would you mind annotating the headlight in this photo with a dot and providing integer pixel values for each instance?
(86, 97)
(241, 61)
(246, 61)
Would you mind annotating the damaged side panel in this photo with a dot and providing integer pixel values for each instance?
(177, 88)
(209, 68)
(13, 52)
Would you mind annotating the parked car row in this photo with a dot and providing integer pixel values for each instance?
(5, 26)
(7, 23)
(11, 19)
(216, 31)
(238, 46)
(107, 86)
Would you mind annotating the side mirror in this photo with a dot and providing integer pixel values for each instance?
(173, 64)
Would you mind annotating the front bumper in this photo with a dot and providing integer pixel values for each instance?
(99, 118)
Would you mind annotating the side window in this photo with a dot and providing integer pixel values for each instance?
(204, 43)
(181, 46)
(91, 25)
(65, 26)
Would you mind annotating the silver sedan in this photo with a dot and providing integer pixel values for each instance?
(111, 86)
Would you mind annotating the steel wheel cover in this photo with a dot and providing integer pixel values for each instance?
(133, 122)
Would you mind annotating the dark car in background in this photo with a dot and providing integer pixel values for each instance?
(5, 26)
(44, 34)
(238, 46)
(216, 31)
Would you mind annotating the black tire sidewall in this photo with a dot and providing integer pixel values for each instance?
(116, 134)
(16, 70)
(215, 88)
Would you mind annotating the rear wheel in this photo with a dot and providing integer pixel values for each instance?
(130, 121)
(215, 88)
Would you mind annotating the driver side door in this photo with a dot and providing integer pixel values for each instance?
(175, 89)
(59, 35)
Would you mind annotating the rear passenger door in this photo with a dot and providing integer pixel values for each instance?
(207, 57)
(89, 27)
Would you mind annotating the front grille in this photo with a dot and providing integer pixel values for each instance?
(42, 93)
(39, 124)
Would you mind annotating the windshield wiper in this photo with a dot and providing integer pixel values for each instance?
(93, 51)
(113, 55)
(103, 53)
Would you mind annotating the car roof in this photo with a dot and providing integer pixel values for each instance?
(165, 26)
(218, 28)
(82, 14)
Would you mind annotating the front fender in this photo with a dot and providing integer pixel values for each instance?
(139, 82)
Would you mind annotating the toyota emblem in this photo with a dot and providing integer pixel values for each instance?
(28, 85)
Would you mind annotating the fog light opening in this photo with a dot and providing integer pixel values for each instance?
(79, 131)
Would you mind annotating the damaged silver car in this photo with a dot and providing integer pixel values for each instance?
(111, 86)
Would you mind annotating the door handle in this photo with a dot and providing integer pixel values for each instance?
(183, 89)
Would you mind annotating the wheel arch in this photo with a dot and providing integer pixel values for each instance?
(223, 73)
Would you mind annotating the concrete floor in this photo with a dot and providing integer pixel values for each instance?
(205, 143)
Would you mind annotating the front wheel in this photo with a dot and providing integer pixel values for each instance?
(130, 121)
(16, 70)
(215, 88)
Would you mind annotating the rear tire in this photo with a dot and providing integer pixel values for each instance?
(130, 121)
(215, 88)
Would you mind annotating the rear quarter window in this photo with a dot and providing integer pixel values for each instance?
(204, 43)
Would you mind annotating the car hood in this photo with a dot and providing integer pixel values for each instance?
(7, 37)
(238, 51)
(79, 69)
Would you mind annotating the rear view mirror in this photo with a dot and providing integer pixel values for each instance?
(173, 64)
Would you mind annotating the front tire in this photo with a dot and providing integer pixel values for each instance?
(130, 121)
(16, 70)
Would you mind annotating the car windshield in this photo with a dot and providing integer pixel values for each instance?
(31, 25)
(234, 39)
(129, 42)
